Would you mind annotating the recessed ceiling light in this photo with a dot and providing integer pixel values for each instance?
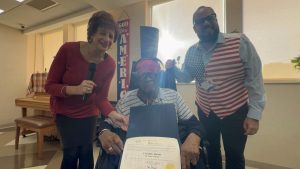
(20, 0)
(1, 11)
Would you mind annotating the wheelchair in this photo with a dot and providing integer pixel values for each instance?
(106, 161)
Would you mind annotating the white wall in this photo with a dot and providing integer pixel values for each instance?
(13, 72)
(188, 93)
(273, 26)
(277, 141)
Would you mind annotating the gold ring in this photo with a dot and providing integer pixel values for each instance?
(110, 149)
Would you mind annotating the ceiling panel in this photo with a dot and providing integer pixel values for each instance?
(24, 17)
(9, 4)
(29, 16)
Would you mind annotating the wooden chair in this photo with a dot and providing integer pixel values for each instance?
(40, 124)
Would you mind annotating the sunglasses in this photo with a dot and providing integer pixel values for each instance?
(148, 75)
(209, 18)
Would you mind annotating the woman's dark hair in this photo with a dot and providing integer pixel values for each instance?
(102, 19)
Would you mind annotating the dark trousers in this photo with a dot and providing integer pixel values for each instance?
(81, 156)
(77, 136)
(234, 140)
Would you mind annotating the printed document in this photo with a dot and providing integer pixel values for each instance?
(151, 153)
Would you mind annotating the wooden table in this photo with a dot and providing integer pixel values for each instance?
(34, 103)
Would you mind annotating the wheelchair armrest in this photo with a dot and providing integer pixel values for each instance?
(203, 153)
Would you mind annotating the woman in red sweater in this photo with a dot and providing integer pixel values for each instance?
(66, 83)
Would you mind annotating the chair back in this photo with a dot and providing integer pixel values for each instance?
(37, 83)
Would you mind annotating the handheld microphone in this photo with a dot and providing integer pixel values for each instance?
(90, 75)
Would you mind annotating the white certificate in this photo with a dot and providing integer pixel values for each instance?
(151, 153)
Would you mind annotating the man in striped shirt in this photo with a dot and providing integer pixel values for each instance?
(149, 93)
(229, 87)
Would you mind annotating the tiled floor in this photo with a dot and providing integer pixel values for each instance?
(26, 157)
(29, 139)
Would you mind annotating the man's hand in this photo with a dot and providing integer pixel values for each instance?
(251, 126)
(111, 142)
(170, 63)
(190, 151)
(119, 120)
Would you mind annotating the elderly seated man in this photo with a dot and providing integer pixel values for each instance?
(149, 93)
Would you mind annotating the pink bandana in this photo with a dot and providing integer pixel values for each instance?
(147, 65)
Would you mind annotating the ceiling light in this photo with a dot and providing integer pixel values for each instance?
(20, 0)
(1, 11)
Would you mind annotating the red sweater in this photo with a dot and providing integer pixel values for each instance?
(70, 68)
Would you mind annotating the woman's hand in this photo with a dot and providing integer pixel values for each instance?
(86, 87)
(119, 120)
(111, 142)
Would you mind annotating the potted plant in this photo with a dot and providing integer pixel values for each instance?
(296, 61)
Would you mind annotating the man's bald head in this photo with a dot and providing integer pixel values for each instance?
(202, 11)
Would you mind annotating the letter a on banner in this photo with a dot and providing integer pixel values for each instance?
(123, 58)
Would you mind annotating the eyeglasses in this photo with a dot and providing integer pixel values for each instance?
(209, 18)
(148, 74)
